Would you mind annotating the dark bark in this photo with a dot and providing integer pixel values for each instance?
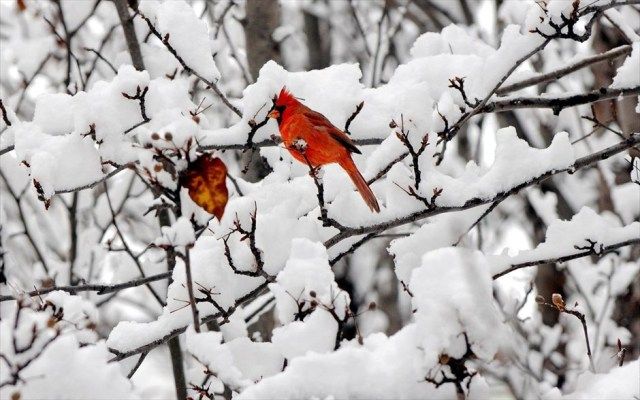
(177, 366)
(318, 41)
(262, 18)
(174, 343)
(129, 33)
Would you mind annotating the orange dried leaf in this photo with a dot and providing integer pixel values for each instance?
(206, 180)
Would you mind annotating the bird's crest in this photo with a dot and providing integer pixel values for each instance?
(285, 98)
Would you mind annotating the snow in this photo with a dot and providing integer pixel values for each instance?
(317, 334)
(374, 367)
(180, 234)
(59, 143)
(65, 368)
(54, 113)
(450, 282)
(216, 356)
(515, 163)
(628, 74)
(306, 271)
(54, 172)
(454, 285)
(619, 383)
(626, 198)
(245, 352)
(188, 35)
(563, 235)
(441, 231)
(209, 273)
(619, 20)
(67, 371)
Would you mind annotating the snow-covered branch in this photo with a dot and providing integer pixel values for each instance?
(475, 202)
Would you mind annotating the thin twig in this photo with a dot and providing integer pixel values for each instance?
(5, 116)
(590, 252)
(127, 249)
(559, 73)
(165, 40)
(138, 364)
(558, 103)
(189, 283)
(100, 289)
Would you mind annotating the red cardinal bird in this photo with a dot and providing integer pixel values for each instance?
(312, 139)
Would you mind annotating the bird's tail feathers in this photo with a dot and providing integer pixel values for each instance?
(365, 191)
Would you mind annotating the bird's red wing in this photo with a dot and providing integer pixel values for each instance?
(321, 123)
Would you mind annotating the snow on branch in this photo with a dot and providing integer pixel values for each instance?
(477, 201)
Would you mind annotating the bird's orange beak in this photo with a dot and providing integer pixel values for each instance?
(275, 114)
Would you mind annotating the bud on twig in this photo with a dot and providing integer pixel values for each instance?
(558, 301)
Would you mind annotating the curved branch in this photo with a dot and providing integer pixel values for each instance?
(558, 103)
(97, 182)
(98, 288)
(559, 73)
(599, 252)
(418, 215)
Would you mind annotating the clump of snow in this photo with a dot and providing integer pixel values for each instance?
(58, 361)
(453, 291)
(245, 353)
(628, 74)
(383, 368)
(316, 333)
(213, 354)
(54, 113)
(626, 198)
(441, 231)
(65, 370)
(515, 162)
(52, 158)
(180, 234)
(189, 36)
(306, 271)
(619, 383)
(210, 273)
(585, 226)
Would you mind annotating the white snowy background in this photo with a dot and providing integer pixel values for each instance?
(504, 262)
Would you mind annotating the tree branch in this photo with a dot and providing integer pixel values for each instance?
(98, 288)
(129, 33)
(559, 73)
(558, 103)
(592, 251)
(429, 212)
(172, 50)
